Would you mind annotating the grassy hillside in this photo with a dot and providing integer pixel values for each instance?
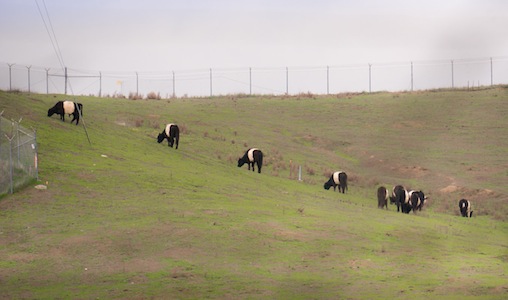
(126, 217)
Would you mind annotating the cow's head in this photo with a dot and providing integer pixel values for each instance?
(160, 138)
(327, 185)
(240, 162)
(51, 112)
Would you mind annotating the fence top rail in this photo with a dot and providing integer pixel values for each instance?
(11, 126)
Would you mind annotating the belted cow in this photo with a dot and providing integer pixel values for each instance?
(382, 197)
(400, 197)
(67, 107)
(416, 200)
(172, 133)
(339, 179)
(465, 208)
(251, 157)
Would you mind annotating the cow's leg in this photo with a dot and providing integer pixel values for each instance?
(74, 118)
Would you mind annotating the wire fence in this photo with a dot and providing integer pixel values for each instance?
(18, 156)
(368, 77)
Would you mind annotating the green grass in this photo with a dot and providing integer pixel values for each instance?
(149, 221)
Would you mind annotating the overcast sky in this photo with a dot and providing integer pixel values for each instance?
(155, 35)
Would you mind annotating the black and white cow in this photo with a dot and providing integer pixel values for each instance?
(339, 179)
(416, 200)
(251, 157)
(382, 197)
(465, 208)
(172, 133)
(400, 197)
(67, 107)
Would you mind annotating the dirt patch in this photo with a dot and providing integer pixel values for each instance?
(360, 264)
(449, 189)
(28, 196)
(413, 171)
(86, 176)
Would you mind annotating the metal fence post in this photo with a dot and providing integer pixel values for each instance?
(491, 73)
(211, 92)
(10, 167)
(370, 78)
(36, 157)
(47, 80)
(411, 76)
(29, 67)
(100, 84)
(18, 138)
(327, 80)
(453, 84)
(287, 81)
(250, 81)
(10, 76)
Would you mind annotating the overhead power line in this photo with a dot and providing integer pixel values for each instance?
(52, 36)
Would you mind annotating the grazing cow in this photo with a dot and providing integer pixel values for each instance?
(337, 179)
(67, 107)
(382, 197)
(172, 133)
(401, 198)
(416, 200)
(465, 208)
(251, 157)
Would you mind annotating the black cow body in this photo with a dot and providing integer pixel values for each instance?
(382, 197)
(465, 208)
(416, 200)
(337, 179)
(172, 133)
(251, 157)
(67, 107)
(400, 197)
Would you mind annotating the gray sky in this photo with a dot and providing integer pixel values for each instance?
(169, 35)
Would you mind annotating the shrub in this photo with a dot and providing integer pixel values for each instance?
(153, 96)
(135, 96)
(138, 122)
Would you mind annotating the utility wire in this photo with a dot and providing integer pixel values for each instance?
(59, 52)
(60, 60)
(52, 36)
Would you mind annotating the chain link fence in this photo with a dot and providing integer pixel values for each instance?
(320, 80)
(18, 156)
